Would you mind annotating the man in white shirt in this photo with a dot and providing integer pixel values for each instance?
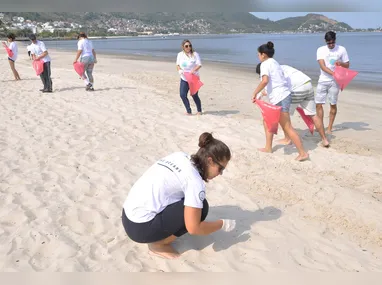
(39, 52)
(328, 58)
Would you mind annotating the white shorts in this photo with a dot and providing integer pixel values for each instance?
(327, 90)
(303, 96)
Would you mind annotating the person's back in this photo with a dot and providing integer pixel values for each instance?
(295, 77)
(162, 184)
(86, 46)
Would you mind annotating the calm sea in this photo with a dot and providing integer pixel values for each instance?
(298, 50)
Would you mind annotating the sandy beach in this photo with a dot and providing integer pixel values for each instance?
(69, 158)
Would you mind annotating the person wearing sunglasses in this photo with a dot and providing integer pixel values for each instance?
(188, 60)
(169, 199)
(329, 56)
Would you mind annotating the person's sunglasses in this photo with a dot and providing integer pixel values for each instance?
(186, 46)
(221, 167)
(330, 43)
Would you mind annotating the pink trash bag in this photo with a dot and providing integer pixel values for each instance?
(307, 119)
(38, 66)
(79, 67)
(271, 115)
(193, 82)
(343, 76)
(9, 52)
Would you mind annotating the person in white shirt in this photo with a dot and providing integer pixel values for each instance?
(279, 94)
(188, 60)
(328, 57)
(302, 95)
(87, 55)
(40, 52)
(12, 59)
(169, 199)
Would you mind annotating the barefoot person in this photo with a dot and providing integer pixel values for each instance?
(302, 95)
(188, 60)
(169, 199)
(12, 60)
(87, 55)
(39, 52)
(328, 57)
(279, 94)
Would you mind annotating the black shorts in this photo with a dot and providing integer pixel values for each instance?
(29, 53)
(165, 224)
(11, 59)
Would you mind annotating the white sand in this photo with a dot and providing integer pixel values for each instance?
(68, 160)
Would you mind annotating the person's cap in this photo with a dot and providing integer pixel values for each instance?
(32, 37)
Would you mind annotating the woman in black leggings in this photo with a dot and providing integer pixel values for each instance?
(168, 200)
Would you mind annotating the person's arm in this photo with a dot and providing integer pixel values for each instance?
(198, 63)
(261, 86)
(344, 62)
(44, 51)
(194, 226)
(78, 54)
(323, 66)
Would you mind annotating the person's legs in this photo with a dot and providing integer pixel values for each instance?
(309, 107)
(268, 140)
(160, 232)
(46, 74)
(198, 103)
(183, 95)
(320, 100)
(13, 68)
(289, 130)
(333, 92)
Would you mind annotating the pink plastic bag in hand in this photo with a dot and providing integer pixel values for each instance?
(38, 66)
(271, 115)
(79, 67)
(9, 52)
(193, 82)
(343, 76)
(307, 119)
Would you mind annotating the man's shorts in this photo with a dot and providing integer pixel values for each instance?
(327, 90)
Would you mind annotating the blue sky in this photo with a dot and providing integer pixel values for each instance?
(354, 19)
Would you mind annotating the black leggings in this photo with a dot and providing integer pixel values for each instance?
(167, 223)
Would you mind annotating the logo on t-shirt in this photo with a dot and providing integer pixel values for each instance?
(184, 64)
(202, 195)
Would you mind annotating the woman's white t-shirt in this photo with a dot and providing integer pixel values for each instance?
(188, 62)
(86, 46)
(166, 182)
(277, 87)
(13, 47)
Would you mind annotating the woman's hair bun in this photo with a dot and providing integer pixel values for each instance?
(270, 45)
(205, 139)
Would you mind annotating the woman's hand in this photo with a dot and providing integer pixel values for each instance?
(180, 71)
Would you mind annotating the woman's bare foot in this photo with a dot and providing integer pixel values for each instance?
(264, 149)
(163, 250)
(188, 114)
(198, 113)
(329, 132)
(325, 143)
(284, 141)
(302, 157)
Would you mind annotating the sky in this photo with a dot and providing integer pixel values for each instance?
(357, 20)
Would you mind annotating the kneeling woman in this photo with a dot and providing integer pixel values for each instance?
(169, 199)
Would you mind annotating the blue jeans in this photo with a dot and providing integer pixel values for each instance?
(184, 88)
(285, 104)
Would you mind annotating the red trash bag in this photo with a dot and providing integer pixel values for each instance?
(79, 67)
(271, 115)
(38, 66)
(193, 82)
(343, 76)
(307, 119)
(9, 52)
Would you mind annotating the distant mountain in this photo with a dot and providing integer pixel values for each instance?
(163, 22)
